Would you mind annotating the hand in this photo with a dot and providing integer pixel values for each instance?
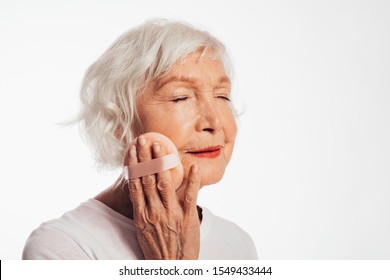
(167, 226)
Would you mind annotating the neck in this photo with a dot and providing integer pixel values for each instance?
(117, 197)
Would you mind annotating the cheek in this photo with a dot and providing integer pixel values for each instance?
(230, 130)
(179, 133)
(177, 125)
(229, 124)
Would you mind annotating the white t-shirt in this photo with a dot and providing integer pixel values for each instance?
(95, 231)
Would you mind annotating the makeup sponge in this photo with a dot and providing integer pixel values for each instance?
(170, 161)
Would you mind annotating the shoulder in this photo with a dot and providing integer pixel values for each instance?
(223, 233)
(50, 242)
(214, 222)
(82, 233)
(59, 238)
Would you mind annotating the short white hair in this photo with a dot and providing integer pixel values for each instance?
(110, 85)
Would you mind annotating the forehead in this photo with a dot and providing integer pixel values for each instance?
(196, 68)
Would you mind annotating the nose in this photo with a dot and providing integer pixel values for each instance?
(209, 119)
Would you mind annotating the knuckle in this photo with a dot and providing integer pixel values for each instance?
(148, 181)
(163, 184)
(194, 181)
(189, 198)
(143, 155)
(153, 216)
(140, 224)
(134, 185)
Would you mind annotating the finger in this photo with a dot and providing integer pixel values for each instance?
(164, 179)
(135, 189)
(191, 192)
(143, 149)
(148, 181)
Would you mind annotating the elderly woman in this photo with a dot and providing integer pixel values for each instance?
(156, 103)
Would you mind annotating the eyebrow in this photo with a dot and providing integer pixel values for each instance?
(162, 82)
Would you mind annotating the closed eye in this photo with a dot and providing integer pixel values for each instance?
(224, 97)
(179, 99)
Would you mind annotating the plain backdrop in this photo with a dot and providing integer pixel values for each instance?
(310, 174)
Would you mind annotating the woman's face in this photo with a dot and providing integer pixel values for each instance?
(190, 105)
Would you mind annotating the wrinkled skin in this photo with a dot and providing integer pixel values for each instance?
(167, 226)
(191, 106)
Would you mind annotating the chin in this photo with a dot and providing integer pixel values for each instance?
(211, 172)
(210, 177)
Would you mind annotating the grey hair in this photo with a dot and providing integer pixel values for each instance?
(108, 116)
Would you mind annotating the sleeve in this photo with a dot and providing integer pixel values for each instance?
(50, 243)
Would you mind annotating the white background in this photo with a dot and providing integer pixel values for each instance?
(309, 178)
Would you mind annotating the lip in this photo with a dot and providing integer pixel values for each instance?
(210, 152)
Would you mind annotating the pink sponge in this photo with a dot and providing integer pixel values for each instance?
(152, 166)
(170, 161)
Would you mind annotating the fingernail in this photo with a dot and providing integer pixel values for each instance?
(194, 168)
(156, 147)
(141, 141)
